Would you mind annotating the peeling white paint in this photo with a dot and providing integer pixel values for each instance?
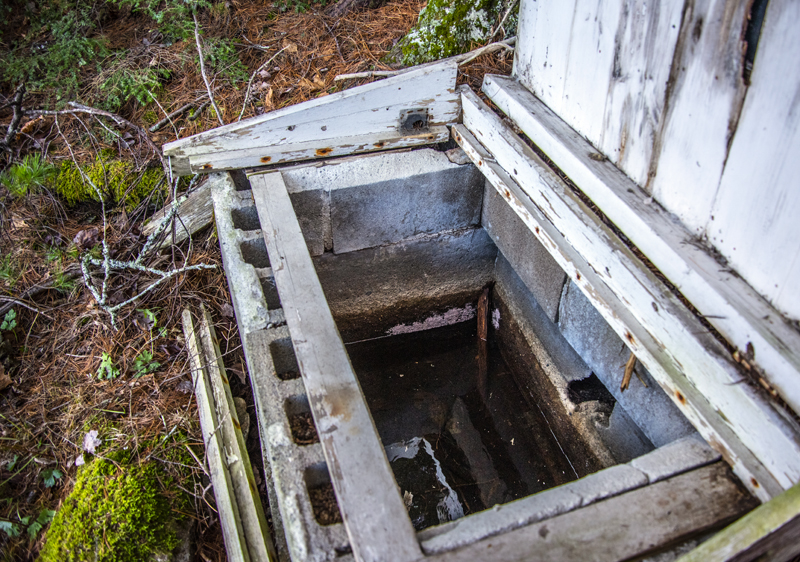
(452, 316)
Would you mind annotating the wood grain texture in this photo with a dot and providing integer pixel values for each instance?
(603, 67)
(323, 148)
(686, 361)
(194, 213)
(365, 110)
(767, 533)
(227, 507)
(754, 222)
(622, 527)
(373, 511)
(736, 310)
(705, 98)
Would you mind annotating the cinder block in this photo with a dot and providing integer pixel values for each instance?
(679, 456)
(532, 262)
(600, 347)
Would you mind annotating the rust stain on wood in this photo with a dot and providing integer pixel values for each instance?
(266, 159)
(324, 151)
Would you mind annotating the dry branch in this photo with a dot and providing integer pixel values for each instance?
(13, 127)
(203, 69)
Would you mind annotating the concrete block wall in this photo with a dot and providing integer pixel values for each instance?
(599, 348)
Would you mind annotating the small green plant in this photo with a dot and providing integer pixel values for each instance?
(51, 476)
(9, 321)
(27, 176)
(107, 370)
(32, 526)
(144, 364)
(127, 83)
(224, 60)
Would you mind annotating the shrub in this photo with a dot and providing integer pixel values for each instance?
(26, 176)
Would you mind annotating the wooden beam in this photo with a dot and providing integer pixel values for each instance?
(767, 533)
(373, 511)
(692, 367)
(195, 212)
(623, 527)
(372, 109)
(227, 508)
(731, 305)
(323, 148)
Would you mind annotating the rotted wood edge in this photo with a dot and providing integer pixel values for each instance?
(195, 212)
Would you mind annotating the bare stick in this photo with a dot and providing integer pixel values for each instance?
(174, 115)
(121, 121)
(626, 377)
(250, 83)
(22, 304)
(16, 104)
(463, 59)
(503, 19)
(203, 69)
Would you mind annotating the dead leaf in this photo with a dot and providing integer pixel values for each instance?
(227, 310)
(88, 238)
(5, 380)
(269, 100)
(318, 81)
(91, 441)
(289, 47)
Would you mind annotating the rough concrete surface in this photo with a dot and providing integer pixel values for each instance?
(606, 354)
(531, 261)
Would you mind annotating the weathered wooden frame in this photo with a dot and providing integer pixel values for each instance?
(362, 119)
(373, 511)
(739, 313)
(693, 368)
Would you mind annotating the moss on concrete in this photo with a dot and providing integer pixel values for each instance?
(117, 512)
(449, 27)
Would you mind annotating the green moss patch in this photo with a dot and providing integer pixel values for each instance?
(449, 27)
(117, 512)
(117, 181)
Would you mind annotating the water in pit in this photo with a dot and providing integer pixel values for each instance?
(455, 449)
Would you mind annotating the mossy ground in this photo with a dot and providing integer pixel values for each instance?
(117, 512)
(116, 179)
(449, 27)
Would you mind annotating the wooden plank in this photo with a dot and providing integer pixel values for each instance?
(681, 354)
(603, 67)
(227, 509)
(251, 512)
(754, 222)
(364, 110)
(730, 304)
(705, 98)
(195, 212)
(767, 533)
(373, 511)
(651, 353)
(622, 527)
(343, 146)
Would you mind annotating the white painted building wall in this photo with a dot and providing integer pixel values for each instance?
(658, 88)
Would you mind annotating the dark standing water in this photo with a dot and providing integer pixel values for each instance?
(453, 451)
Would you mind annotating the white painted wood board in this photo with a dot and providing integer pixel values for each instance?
(343, 146)
(620, 528)
(705, 98)
(754, 222)
(364, 110)
(227, 508)
(603, 67)
(248, 501)
(730, 305)
(372, 509)
(667, 338)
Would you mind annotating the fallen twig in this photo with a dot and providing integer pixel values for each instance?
(462, 59)
(250, 83)
(626, 377)
(16, 104)
(174, 115)
(13, 302)
(203, 69)
(121, 121)
(72, 272)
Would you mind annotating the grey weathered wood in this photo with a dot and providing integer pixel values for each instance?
(365, 110)
(227, 508)
(770, 532)
(622, 527)
(373, 511)
(603, 67)
(251, 512)
(195, 212)
(327, 148)
(690, 365)
(731, 305)
(754, 222)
